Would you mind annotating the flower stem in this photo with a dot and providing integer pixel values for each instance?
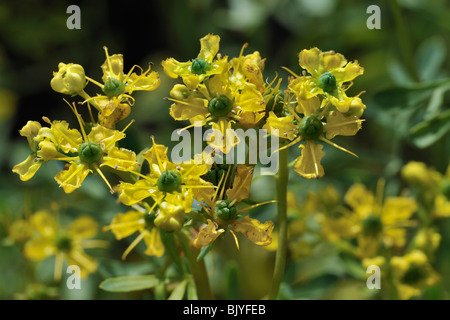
(280, 259)
(197, 268)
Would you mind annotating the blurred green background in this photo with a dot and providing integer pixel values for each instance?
(406, 117)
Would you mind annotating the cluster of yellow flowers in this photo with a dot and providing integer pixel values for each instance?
(217, 92)
(396, 233)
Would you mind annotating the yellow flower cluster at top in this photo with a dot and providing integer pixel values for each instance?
(318, 108)
(217, 92)
(224, 94)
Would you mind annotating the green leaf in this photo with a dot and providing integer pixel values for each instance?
(178, 292)
(408, 96)
(428, 132)
(430, 57)
(204, 251)
(129, 283)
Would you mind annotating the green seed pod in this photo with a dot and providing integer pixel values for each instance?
(275, 103)
(90, 152)
(199, 66)
(311, 128)
(223, 210)
(169, 181)
(220, 106)
(372, 225)
(63, 243)
(327, 81)
(113, 87)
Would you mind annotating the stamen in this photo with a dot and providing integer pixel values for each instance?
(337, 146)
(134, 244)
(255, 205)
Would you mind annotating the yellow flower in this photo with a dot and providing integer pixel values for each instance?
(32, 163)
(125, 224)
(231, 98)
(168, 183)
(70, 79)
(118, 86)
(68, 244)
(412, 274)
(93, 151)
(378, 221)
(204, 66)
(317, 123)
(222, 212)
(329, 74)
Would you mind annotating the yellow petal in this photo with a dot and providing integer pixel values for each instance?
(304, 87)
(257, 232)
(121, 111)
(38, 249)
(28, 167)
(83, 228)
(250, 119)
(192, 109)
(133, 193)
(209, 46)
(125, 224)
(308, 164)
(308, 106)
(285, 126)
(47, 151)
(105, 137)
(241, 185)
(156, 154)
(333, 60)
(397, 209)
(120, 159)
(223, 137)
(44, 223)
(250, 100)
(208, 234)
(338, 124)
(148, 82)
(349, 72)
(68, 140)
(72, 178)
(152, 240)
(116, 70)
(361, 200)
(173, 68)
(310, 60)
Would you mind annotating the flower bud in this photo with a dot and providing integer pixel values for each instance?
(70, 79)
(170, 217)
(417, 174)
(31, 130)
(179, 92)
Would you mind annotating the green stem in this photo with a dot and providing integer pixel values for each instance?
(197, 268)
(280, 259)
